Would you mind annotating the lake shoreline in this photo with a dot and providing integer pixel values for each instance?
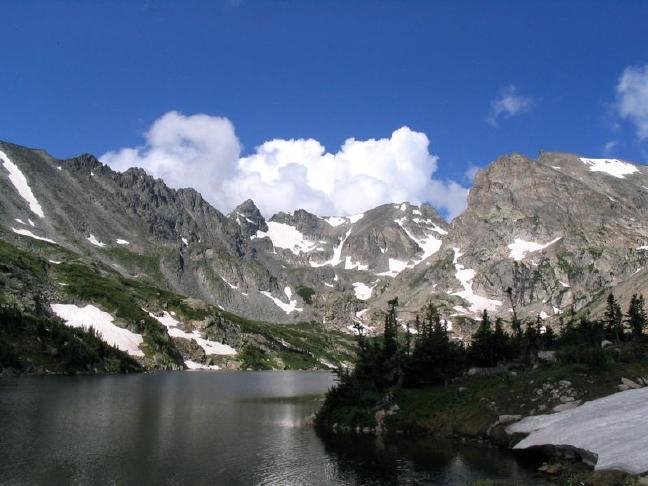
(477, 410)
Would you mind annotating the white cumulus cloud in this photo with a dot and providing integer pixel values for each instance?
(203, 152)
(632, 98)
(509, 103)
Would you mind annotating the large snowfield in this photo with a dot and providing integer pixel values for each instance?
(614, 428)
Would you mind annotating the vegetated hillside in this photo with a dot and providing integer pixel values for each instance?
(158, 328)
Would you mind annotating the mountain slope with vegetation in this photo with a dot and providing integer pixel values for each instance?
(36, 280)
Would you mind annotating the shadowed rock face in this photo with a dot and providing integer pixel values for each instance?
(558, 231)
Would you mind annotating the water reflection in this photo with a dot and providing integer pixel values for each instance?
(204, 428)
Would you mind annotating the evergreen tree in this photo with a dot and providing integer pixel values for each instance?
(481, 349)
(435, 359)
(613, 319)
(636, 316)
(501, 343)
(390, 336)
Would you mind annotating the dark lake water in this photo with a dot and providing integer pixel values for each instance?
(189, 428)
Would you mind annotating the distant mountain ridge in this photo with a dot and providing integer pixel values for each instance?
(559, 231)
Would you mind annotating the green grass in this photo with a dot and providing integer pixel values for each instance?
(14, 259)
(306, 293)
(147, 265)
(470, 405)
(470, 411)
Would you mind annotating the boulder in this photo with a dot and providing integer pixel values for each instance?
(566, 406)
(547, 356)
(629, 383)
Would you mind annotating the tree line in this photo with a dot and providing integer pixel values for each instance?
(424, 353)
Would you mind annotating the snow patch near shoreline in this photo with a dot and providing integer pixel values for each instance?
(19, 181)
(210, 347)
(103, 323)
(614, 428)
(193, 366)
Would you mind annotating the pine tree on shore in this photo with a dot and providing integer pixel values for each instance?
(636, 316)
(614, 319)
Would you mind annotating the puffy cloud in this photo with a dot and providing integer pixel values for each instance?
(632, 98)
(203, 152)
(509, 103)
(186, 151)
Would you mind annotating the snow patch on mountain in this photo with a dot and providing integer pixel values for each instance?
(209, 346)
(519, 248)
(25, 232)
(335, 221)
(613, 167)
(92, 239)
(362, 291)
(122, 242)
(429, 244)
(466, 276)
(103, 323)
(337, 254)
(285, 236)
(288, 308)
(231, 285)
(19, 181)
(349, 264)
(613, 428)
(354, 218)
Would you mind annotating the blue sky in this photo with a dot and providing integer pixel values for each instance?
(94, 76)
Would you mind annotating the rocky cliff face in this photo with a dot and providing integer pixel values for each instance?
(559, 231)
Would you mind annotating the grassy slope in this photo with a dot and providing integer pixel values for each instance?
(76, 279)
(36, 344)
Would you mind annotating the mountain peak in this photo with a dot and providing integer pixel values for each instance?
(249, 218)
